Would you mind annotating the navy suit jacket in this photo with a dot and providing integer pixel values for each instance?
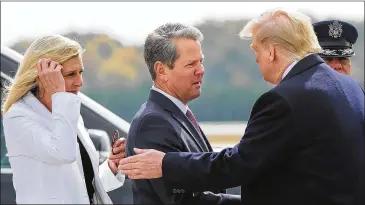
(303, 145)
(160, 124)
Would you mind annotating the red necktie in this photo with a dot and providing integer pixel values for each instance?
(191, 117)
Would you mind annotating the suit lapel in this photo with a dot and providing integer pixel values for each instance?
(180, 117)
(210, 149)
(189, 128)
(303, 65)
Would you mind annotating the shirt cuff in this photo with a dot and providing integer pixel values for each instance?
(108, 179)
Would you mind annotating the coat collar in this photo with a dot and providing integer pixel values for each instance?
(303, 65)
(36, 105)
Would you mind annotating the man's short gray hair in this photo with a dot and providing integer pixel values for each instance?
(159, 45)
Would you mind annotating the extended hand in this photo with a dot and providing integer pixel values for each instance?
(146, 164)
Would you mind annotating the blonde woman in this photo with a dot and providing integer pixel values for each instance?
(52, 156)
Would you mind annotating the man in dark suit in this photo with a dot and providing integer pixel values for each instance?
(175, 60)
(304, 141)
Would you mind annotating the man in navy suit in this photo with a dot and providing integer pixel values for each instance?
(304, 141)
(175, 60)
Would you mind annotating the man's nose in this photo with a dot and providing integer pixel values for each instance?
(200, 70)
(335, 64)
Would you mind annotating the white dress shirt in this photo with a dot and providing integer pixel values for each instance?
(44, 154)
(291, 66)
(178, 103)
(288, 69)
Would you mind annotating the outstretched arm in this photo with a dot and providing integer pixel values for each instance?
(157, 133)
(270, 138)
(265, 143)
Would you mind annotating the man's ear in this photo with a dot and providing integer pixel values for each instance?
(161, 70)
(272, 53)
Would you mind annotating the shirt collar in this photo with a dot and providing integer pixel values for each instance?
(291, 66)
(178, 103)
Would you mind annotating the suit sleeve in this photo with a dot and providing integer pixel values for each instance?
(30, 137)
(207, 197)
(157, 133)
(268, 140)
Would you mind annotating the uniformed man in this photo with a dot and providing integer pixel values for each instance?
(336, 39)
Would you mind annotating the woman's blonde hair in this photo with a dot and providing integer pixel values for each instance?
(55, 47)
(292, 31)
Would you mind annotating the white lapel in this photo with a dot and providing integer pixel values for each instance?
(87, 142)
(101, 195)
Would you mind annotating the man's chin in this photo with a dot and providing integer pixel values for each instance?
(196, 95)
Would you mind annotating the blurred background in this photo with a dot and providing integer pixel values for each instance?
(113, 36)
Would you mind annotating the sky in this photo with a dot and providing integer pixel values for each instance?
(130, 22)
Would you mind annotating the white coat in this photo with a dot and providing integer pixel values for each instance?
(45, 157)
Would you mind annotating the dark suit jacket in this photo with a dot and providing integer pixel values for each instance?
(160, 124)
(303, 145)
